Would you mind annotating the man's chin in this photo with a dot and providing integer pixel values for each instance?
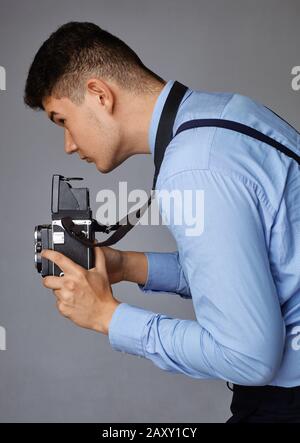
(102, 169)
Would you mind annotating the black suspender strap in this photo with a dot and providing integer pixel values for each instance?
(165, 127)
(238, 127)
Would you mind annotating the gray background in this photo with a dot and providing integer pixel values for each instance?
(53, 370)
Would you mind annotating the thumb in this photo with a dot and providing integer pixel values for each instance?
(99, 259)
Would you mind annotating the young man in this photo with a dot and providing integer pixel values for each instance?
(241, 272)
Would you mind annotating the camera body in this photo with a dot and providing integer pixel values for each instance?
(70, 203)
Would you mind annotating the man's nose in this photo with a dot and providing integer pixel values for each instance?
(70, 146)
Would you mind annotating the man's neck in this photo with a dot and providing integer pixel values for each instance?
(137, 118)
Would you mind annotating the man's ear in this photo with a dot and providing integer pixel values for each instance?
(103, 92)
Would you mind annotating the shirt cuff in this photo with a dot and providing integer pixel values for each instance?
(165, 274)
(125, 331)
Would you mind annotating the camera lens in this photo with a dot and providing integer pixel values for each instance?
(38, 248)
(42, 240)
(37, 234)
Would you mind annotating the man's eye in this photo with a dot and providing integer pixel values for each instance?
(60, 121)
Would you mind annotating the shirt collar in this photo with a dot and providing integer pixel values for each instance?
(158, 107)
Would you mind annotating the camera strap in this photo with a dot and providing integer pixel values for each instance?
(163, 137)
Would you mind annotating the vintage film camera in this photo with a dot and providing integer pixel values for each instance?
(70, 207)
(72, 231)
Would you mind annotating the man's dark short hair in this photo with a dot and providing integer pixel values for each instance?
(77, 51)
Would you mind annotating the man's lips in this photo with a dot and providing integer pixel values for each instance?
(86, 159)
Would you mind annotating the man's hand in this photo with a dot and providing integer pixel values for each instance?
(84, 296)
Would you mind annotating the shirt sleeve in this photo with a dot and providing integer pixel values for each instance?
(239, 332)
(165, 274)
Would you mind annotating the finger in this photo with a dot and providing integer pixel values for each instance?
(57, 293)
(63, 262)
(62, 308)
(65, 297)
(52, 282)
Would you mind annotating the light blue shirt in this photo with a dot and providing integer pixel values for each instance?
(242, 273)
